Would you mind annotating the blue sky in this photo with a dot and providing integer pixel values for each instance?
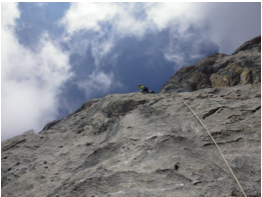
(56, 56)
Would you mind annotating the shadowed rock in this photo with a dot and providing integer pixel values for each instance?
(220, 70)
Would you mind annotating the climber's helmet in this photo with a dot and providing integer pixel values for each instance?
(139, 85)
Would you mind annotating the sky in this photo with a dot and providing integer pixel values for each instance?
(57, 56)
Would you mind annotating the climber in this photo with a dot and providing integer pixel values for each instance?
(144, 89)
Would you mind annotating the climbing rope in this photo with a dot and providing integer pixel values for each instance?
(203, 97)
(217, 148)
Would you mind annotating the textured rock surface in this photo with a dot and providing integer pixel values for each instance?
(142, 145)
(220, 70)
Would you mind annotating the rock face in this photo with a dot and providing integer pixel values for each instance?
(220, 70)
(151, 145)
(142, 145)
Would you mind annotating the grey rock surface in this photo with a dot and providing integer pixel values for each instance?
(220, 70)
(143, 145)
(29, 132)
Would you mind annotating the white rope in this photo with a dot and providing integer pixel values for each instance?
(217, 148)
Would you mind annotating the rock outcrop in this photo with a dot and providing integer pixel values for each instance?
(150, 145)
(220, 70)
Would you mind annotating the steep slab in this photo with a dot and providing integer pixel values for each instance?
(142, 145)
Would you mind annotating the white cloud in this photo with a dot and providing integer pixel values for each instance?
(9, 13)
(185, 48)
(97, 82)
(100, 47)
(124, 21)
(31, 80)
(128, 24)
(87, 15)
(164, 13)
(225, 24)
(90, 17)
